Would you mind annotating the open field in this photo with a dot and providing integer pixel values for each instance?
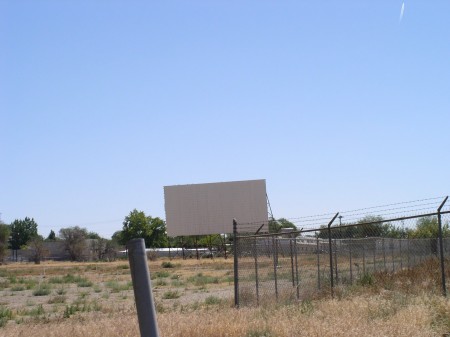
(195, 298)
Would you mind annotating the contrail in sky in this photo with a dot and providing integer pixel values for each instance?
(402, 11)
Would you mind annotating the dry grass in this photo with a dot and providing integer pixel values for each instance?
(392, 306)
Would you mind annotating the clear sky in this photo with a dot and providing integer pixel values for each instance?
(337, 104)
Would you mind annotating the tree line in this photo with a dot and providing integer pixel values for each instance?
(375, 226)
(23, 233)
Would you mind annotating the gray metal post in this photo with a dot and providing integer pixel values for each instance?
(275, 264)
(142, 287)
(351, 268)
(318, 264)
(336, 260)
(292, 261)
(255, 249)
(393, 254)
(296, 270)
(330, 248)
(236, 269)
(364, 259)
(441, 248)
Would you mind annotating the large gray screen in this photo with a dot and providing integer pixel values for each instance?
(202, 209)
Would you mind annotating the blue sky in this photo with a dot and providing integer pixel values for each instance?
(338, 105)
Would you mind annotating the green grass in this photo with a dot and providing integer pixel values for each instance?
(42, 290)
(171, 294)
(161, 274)
(70, 278)
(84, 283)
(116, 286)
(36, 311)
(81, 306)
(213, 300)
(167, 264)
(201, 280)
(57, 299)
(5, 315)
(18, 287)
(160, 282)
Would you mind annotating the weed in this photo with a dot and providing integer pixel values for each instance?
(202, 280)
(5, 315)
(117, 287)
(18, 288)
(171, 294)
(61, 291)
(161, 282)
(213, 300)
(84, 283)
(57, 299)
(37, 311)
(366, 280)
(42, 290)
(167, 264)
(161, 274)
(306, 307)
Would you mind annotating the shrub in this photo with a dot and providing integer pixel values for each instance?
(167, 264)
(42, 290)
(5, 315)
(57, 299)
(213, 300)
(171, 294)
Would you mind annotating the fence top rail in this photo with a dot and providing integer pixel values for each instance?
(345, 226)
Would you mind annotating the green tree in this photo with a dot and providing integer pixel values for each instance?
(4, 236)
(93, 235)
(158, 235)
(428, 227)
(51, 236)
(104, 249)
(135, 225)
(74, 241)
(38, 249)
(275, 226)
(21, 232)
(117, 237)
(138, 225)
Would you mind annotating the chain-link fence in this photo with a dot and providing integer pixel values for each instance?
(298, 265)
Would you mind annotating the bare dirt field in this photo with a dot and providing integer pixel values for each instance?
(195, 298)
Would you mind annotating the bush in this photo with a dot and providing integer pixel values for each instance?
(42, 290)
(167, 264)
(171, 294)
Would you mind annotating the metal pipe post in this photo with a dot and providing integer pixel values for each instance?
(330, 248)
(318, 264)
(236, 269)
(142, 287)
(441, 248)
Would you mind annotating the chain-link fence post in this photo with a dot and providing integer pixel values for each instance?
(318, 264)
(441, 248)
(275, 264)
(255, 250)
(236, 269)
(330, 249)
(292, 261)
(350, 256)
(297, 283)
